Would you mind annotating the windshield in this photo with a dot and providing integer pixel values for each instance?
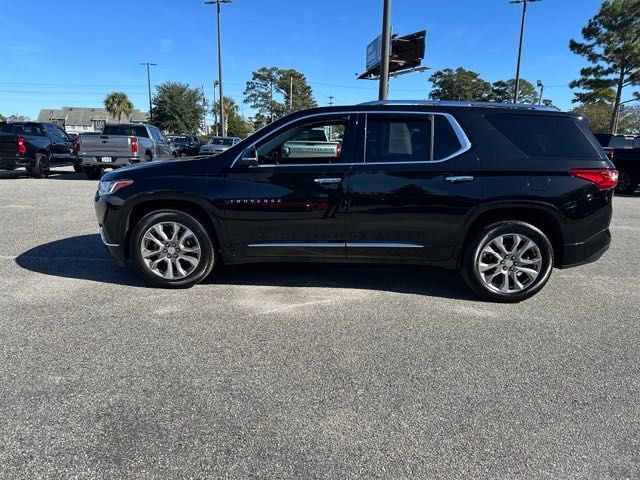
(179, 139)
(226, 141)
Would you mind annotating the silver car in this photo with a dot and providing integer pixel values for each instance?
(218, 145)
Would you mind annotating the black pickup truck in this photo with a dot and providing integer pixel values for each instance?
(36, 146)
(624, 152)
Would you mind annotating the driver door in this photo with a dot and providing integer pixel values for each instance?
(292, 204)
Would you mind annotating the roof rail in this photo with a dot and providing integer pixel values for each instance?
(454, 103)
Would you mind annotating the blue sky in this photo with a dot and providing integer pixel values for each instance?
(73, 52)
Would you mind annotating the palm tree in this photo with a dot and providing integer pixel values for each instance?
(118, 104)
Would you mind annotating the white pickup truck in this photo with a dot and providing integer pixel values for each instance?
(311, 143)
(119, 145)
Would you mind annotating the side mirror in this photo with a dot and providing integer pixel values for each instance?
(249, 158)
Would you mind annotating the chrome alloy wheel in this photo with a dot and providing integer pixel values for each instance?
(170, 250)
(509, 263)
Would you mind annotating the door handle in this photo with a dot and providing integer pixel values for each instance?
(327, 181)
(459, 179)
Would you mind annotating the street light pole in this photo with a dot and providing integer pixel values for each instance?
(524, 14)
(223, 123)
(383, 92)
(148, 65)
(215, 112)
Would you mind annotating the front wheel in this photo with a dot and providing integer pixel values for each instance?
(78, 168)
(508, 261)
(172, 249)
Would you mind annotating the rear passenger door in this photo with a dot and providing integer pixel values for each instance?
(410, 197)
(60, 144)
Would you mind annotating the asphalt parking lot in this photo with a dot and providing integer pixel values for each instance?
(304, 371)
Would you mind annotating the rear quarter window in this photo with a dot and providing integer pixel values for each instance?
(544, 136)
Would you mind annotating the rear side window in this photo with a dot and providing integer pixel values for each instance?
(33, 129)
(127, 130)
(418, 138)
(544, 136)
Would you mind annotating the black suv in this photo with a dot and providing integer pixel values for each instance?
(502, 192)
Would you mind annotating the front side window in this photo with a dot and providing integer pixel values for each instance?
(318, 142)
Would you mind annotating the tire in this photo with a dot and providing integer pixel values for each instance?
(626, 183)
(147, 157)
(78, 168)
(41, 166)
(523, 280)
(92, 173)
(159, 259)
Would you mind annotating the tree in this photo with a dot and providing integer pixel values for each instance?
(17, 117)
(236, 125)
(2, 118)
(302, 93)
(459, 84)
(612, 47)
(261, 90)
(599, 113)
(502, 91)
(268, 92)
(118, 104)
(178, 107)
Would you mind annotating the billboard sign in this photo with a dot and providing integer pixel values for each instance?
(374, 52)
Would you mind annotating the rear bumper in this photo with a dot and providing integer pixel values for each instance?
(96, 161)
(9, 163)
(589, 251)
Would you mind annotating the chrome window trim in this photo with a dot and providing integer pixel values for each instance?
(462, 138)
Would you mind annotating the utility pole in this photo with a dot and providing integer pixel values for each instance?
(331, 97)
(385, 54)
(524, 14)
(291, 93)
(148, 65)
(223, 123)
(215, 112)
(541, 86)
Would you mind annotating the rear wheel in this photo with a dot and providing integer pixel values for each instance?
(508, 261)
(41, 166)
(627, 183)
(172, 249)
(92, 173)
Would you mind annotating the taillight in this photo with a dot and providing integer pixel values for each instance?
(22, 145)
(602, 177)
(133, 141)
(76, 146)
(338, 150)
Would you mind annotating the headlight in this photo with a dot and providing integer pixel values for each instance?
(106, 188)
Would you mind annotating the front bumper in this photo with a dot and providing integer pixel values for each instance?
(589, 251)
(109, 224)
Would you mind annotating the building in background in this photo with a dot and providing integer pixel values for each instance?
(81, 119)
